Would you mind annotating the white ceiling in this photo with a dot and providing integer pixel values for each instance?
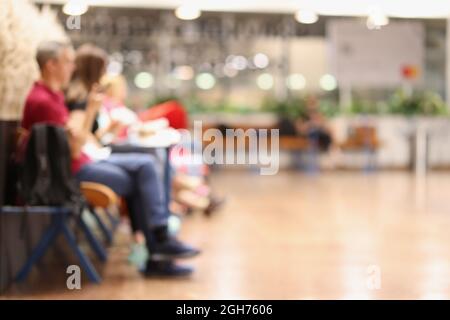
(393, 8)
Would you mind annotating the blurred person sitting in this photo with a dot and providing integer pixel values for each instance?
(132, 176)
(190, 188)
(114, 116)
(313, 125)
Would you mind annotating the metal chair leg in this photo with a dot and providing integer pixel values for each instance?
(106, 232)
(45, 242)
(84, 260)
(93, 241)
(370, 166)
(114, 221)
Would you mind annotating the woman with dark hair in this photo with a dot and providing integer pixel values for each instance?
(132, 176)
(90, 66)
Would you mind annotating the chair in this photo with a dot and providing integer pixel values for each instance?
(298, 146)
(100, 196)
(363, 139)
(97, 196)
(59, 224)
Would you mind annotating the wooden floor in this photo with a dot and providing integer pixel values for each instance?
(293, 236)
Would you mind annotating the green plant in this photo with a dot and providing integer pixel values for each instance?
(418, 103)
(329, 108)
(290, 108)
(360, 106)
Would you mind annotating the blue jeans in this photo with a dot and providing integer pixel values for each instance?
(134, 177)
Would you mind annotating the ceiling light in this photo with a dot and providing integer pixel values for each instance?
(239, 63)
(260, 60)
(376, 19)
(183, 72)
(265, 81)
(187, 12)
(306, 16)
(205, 81)
(296, 81)
(75, 7)
(144, 80)
(328, 82)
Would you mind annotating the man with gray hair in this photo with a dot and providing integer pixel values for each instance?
(49, 50)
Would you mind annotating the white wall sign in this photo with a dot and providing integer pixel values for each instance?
(360, 57)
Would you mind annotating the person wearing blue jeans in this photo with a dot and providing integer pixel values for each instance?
(132, 176)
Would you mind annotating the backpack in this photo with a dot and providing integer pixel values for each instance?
(45, 177)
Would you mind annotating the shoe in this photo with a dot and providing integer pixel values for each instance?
(138, 255)
(174, 224)
(166, 269)
(215, 204)
(171, 249)
(192, 199)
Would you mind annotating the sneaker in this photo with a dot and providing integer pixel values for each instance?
(138, 255)
(166, 269)
(172, 249)
(174, 224)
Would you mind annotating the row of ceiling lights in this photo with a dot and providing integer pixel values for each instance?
(231, 67)
(376, 18)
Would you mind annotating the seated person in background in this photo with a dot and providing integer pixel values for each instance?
(286, 127)
(191, 185)
(313, 125)
(114, 112)
(190, 188)
(131, 176)
(116, 92)
(115, 120)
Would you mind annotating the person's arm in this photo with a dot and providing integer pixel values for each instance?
(80, 123)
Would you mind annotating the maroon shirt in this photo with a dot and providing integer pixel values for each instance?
(46, 106)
